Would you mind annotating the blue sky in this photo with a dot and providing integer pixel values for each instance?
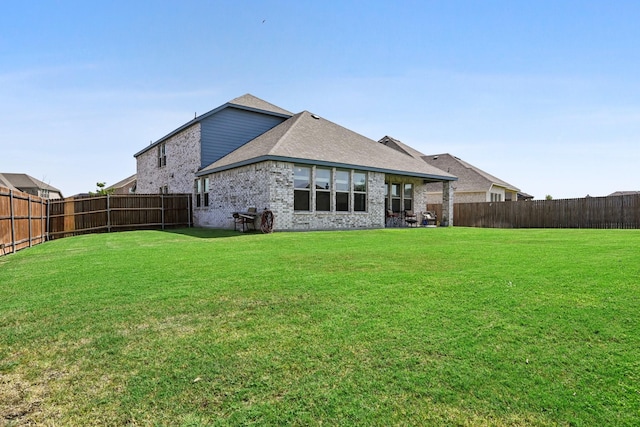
(543, 94)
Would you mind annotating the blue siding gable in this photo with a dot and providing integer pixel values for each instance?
(231, 128)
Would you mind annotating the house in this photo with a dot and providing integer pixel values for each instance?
(125, 186)
(624, 193)
(473, 185)
(28, 184)
(310, 172)
(524, 196)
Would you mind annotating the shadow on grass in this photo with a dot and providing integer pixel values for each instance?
(209, 233)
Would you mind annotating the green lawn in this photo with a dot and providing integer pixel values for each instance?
(388, 327)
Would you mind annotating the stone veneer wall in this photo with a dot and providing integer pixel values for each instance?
(234, 190)
(183, 160)
(270, 185)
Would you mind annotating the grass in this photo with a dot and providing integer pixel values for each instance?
(384, 327)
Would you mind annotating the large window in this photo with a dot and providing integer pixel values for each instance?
(197, 190)
(359, 191)
(342, 190)
(408, 197)
(301, 188)
(205, 191)
(399, 196)
(396, 197)
(201, 191)
(323, 189)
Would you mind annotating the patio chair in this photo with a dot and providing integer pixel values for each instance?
(410, 218)
(392, 219)
(429, 218)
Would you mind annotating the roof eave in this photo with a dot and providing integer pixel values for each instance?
(259, 159)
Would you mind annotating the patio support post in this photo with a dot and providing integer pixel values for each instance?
(447, 204)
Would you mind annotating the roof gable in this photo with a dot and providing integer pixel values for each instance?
(122, 183)
(245, 102)
(252, 102)
(398, 145)
(308, 138)
(471, 177)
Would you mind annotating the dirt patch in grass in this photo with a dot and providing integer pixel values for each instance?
(20, 400)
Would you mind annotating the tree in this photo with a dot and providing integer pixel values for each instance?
(548, 197)
(101, 190)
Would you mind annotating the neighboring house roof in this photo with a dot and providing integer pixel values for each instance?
(245, 102)
(126, 186)
(309, 139)
(125, 182)
(400, 146)
(24, 182)
(524, 196)
(6, 183)
(624, 193)
(471, 177)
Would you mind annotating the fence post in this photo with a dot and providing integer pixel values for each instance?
(162, 210)
(13, 222)
(108, 215)
(29, 213)
(46, 226)
(189, 210)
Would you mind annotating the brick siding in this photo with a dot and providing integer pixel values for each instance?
(183, 160)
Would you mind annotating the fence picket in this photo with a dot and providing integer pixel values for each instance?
(589, 212)
(27, 220)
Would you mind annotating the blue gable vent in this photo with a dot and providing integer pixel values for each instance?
(231, 128)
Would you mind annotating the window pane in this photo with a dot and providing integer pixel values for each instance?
(342, 180)
(323, 178)
(342, 202)
(301, 177)
(323, 201)
(359, 202)
(359, 181)
(408, 191)
(301, 200)
(408, 204)
(206, 185)
(395, 205)
(395, 190)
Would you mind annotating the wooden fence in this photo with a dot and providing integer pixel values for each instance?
(23, 220)
(590, 212)
(115, 212)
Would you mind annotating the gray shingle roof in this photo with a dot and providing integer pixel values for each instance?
(255, 103)
(123, 182)
(21, 181)
(307, 138)
(400, 146)
(471, 177)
